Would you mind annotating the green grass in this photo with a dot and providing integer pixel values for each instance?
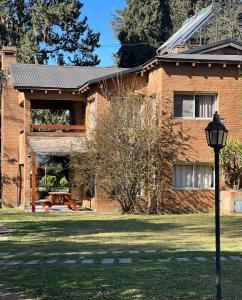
(55, 234)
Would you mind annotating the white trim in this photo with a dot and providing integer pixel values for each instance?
(193, 189)
(192, 119)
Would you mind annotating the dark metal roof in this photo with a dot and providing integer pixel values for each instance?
(109, 76)
(225, 43)
(27, 76)
(213, 58)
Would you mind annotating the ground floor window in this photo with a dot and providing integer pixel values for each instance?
(193, 176)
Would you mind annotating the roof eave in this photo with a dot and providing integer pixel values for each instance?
(86, 86)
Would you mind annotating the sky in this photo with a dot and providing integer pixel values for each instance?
(98, 13)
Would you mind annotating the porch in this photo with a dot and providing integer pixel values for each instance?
(51, 185)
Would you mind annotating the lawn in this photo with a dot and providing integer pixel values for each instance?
(78, 237)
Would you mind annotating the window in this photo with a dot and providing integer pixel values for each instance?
(193, 177)
(92, 114)
(194, 105)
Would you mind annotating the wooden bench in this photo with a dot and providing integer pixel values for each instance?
(59, 198)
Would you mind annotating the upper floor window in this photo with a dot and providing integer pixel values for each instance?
(194, 105)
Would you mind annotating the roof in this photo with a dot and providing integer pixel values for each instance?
(213, 46)
(27, 76)
(189, 27)
(121, 72)
(219, 58)
(57, 145)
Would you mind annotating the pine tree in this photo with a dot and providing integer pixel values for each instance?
(44, 29)
(180, 11)
(141, 27)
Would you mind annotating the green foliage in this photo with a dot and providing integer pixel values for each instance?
(180, 11)
(64, 181)
(144, 25)
(44, 29)
(50, 116)
(141, 27)
(48, 180)
(231, 164)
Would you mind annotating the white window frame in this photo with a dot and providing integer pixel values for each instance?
(194, 105)
(193, 178)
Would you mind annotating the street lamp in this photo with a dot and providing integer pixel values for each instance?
(216, 135)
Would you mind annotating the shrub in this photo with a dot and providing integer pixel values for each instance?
(49, 181)
(231, 164)
(64, 181)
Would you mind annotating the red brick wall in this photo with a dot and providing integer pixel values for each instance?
(226, 83)
(11, 122)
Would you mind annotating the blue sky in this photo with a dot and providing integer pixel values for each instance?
(98, 13)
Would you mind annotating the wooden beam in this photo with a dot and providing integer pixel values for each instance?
(57, 127)
(33, 155)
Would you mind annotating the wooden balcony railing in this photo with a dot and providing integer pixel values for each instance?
(65, 128)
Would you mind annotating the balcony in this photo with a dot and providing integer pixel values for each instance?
(57, 118)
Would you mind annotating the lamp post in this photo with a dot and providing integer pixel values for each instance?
(216, 135)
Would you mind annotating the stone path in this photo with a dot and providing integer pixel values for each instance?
(111, 261)
(122, 257)
(11, 259)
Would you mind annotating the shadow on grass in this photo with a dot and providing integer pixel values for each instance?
(175, 280)
(191, 280)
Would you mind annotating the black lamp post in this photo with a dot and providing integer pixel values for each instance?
(216, 135)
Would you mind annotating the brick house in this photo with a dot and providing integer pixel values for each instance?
(191, 84)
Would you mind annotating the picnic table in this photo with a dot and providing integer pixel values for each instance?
(59, 198)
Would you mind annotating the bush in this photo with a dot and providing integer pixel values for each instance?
(50, 180)
(64, 181)
(231, 164)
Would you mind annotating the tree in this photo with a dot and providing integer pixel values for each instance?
(44, 29)
(141, 27)
(227, 22)
(132, 149)
(180, 11)
(51, 116)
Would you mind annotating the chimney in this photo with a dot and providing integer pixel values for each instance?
(179, 49)
(8, 57)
